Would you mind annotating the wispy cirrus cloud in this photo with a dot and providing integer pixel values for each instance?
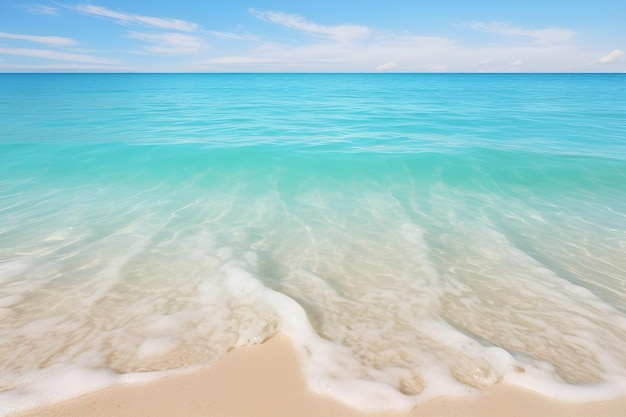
(171, 43)
(162, 35)
(47, 40)
(129, 19)
(37, 8)
(60, 49)
(57, 55)
(342, 33)
(137, 19)
(543, 36)
(231, 36)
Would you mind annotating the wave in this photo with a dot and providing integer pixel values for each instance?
(402, 277)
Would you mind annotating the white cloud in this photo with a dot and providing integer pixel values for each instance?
(437, 68)
(60, 67)
(232, 36)
(341, 48)
(37, 8)
(409, 52)
(610, 57)
(130, 18)
(397, 53)
(234, 60)
(432, 68)
(57, 56)
(171, 43)
(47, 40)
(386, 67)
(342, 33)
(544, 36)
(164, 43)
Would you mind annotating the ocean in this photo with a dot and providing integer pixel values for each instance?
(414, 235)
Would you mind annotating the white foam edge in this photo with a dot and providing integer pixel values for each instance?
(60, 383)
(329, 368)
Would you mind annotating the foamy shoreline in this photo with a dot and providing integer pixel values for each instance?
(266, 380)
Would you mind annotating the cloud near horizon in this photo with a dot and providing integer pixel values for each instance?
(65, 55)
(610, 57)
(171, 43)
(386, 67)
(57, 56)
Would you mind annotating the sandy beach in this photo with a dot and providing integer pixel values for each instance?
(265, 380)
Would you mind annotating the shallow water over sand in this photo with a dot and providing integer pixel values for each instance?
(414, 236)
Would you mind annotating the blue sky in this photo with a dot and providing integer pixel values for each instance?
(313, 35)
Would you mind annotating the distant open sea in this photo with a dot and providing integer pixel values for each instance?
(415, 235)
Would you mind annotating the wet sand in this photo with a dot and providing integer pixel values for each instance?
(265, 381)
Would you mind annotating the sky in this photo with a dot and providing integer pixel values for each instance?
(313, 36)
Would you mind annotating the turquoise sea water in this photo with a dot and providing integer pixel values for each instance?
(414, 235)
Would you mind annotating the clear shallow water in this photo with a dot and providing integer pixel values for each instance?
(414, 235)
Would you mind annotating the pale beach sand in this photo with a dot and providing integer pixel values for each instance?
(265, 380)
